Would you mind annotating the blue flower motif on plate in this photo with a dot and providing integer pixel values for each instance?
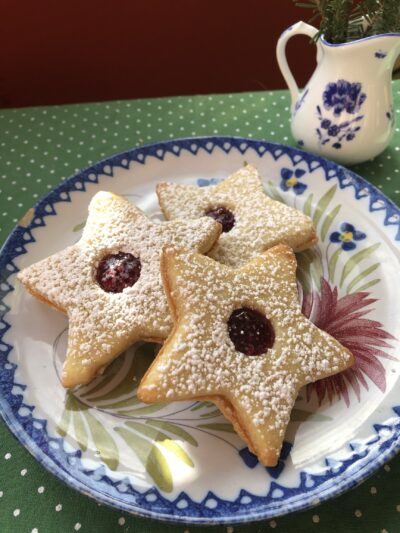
(203, 182)
(251, 460)
(346, 237)
(290, 180)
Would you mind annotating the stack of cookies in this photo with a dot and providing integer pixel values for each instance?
(215, 283)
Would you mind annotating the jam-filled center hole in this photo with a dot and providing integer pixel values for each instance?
(250, 331)
(117, 271)
(222, 215)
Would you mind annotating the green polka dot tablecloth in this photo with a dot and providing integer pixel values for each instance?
(41, 146)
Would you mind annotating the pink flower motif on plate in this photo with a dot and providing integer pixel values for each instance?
(366, 339)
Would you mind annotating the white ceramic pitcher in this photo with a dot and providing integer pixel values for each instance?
(345, 112)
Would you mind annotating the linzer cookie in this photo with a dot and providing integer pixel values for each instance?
(241, 341)
(252, 222)
(109, 283)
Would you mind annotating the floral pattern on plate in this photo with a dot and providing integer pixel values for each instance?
(155, 460)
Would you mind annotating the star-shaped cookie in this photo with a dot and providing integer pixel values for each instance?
(252, 221)
(109, 282)
(241, 341)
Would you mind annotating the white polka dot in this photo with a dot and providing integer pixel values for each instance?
(24, 471)
(7, 455)
(16, 512)
(40, 490)
(387, 468)
(373, 490)
(58, 507)
(358, 513)
(77, 526)
(229, 529)
(315, 518)
(121, 521)
(273, 524)
(1, 493)
(35, 530)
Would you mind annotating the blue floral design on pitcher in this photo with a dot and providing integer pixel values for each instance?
(340, 97)
(343, 96)
(391, 116)
(300, 101)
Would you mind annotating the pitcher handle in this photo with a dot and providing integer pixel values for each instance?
(300, 28)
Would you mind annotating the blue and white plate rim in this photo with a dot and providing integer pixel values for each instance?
(31, 432)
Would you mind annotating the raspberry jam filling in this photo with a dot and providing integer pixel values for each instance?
(250, 331)
(117, 271)
(222, 215)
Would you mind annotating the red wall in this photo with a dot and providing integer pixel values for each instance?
(55, 52)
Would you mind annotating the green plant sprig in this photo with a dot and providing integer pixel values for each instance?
(342, 21)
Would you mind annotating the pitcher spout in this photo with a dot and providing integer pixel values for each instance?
(388, 47)
(383, 49)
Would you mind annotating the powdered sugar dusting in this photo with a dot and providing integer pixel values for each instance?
(101, 324)
(260, 222)
(200, 359)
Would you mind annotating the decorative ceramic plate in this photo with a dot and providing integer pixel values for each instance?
(182, 461)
